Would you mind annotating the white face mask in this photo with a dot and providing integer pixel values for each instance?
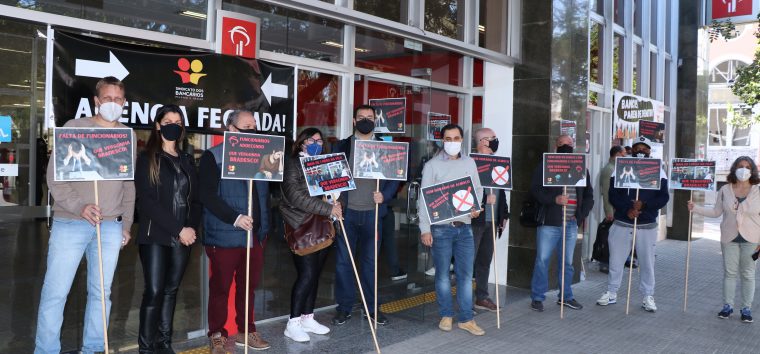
(110, 111)
(452, 148)
(743, 174)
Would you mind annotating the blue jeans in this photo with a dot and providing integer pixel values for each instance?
(360, 229)
(453, 241)
(549, 238)
(69, 240)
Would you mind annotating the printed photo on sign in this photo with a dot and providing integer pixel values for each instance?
(494, 171)
(689, 174)
(93, 154)
(450, 200)
(651, 132)
(327, 174)
(380, 159)
(641, 173)
(564, 170)
(390, 115)
(436, 121)
(253, 156)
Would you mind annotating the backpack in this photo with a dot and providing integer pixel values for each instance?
(601, 251)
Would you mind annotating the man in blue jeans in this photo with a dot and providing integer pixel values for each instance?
(577, 204)
(453, 237)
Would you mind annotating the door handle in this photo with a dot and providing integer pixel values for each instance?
(412, 192)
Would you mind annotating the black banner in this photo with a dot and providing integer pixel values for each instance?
(380, 159)
(390, 115)
(253, 156)
(697, 175)
(494, 171)
(651, 132)
(635, 172)
(206, 86)
(436, 121)
(564, 170)
(90, 154)
(327, 174)
(450, 200)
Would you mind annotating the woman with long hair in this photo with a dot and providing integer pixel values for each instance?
(296, 208)
(739, 202)
(166, 183)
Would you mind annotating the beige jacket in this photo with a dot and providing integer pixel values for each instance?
(745, 220)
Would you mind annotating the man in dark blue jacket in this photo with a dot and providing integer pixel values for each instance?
(627, 208)
(359, 215)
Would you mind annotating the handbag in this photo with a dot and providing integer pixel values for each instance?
(532, 213)
(315, 233)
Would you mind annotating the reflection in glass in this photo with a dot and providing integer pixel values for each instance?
(637, 13)
(595, 49)
(617, 63)
(318, 102)
(636, 88)
(653, 75)
(653, 20)
(445, 18)
(492, 25)
(619, 12)
(597, 6)
(394, 10)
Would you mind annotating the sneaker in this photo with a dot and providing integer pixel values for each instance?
(608, 298)
(430, 272)
(341, 318)
(400, 275)
(217, 343)
(635, 264)
(536, 305)
(604, 268)
(295, 331)
(725, 312)
(445, 324)
(573, 304)
(310, 325)
(381, 319)
(472, 327)
(255, 341)
(485, 304)
(746, 315)
(648, 304)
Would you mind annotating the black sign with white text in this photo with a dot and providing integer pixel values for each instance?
(697, 175)
(327, 174)
(564, 170)
(450, 200)
(494, 171)
(380, 159)
(635, 172)
(253, 156)
(93, 154)
(390, 115)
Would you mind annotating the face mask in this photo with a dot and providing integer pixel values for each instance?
(640, 154)
(171, 132)
(248, 131)
(743, 174)
(313, 149)
(110, 111)
(493, 145)
(565, 149)
(452, 148)
(365, 126)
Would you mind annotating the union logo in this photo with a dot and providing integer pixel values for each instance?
(190, 72)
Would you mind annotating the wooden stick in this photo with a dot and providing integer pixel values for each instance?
(377, 236)
(506, 272)
(102, 283)
(564, 232)
(688, 257)
(248, 262)
(495, 262)
(630, 269)
(359, 283)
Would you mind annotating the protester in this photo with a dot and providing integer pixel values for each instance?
(576, 203)
(167, 198)
(453, 238)
(738, 202)
(644, 211)
(482, 231)
(73, 234)
(296, 207)
(360, 226)
(604, 182)
(226, 223)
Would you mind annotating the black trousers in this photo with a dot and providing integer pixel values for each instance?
(304, 292)
(481, 233)
(163, 268)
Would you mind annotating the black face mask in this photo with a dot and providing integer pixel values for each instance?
(248, 131)
(365, 126)
(565, 149)
(494, 144)
(171, 132)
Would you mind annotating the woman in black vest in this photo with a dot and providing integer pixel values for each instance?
(166, 183)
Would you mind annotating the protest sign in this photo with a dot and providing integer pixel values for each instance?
(569, 127)
(327, 174)
(253, 156)
(635, 172)
(93, 154)
(494, 171)
(564, 170)
(651, 132)
(450, 200)
(436, 121)
(390, 114)
(375, 159)
(629, 109)
(697, 175)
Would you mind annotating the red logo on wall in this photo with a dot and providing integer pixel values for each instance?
(238, 37)
(731, 8)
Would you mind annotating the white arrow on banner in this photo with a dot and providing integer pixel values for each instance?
(273, 90)
(101, 69)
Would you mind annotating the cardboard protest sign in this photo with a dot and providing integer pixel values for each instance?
(436, 121)
(93, 154)
(697, 175)
(564, 170)
(380, 159)
(450, 200)
(635, 172)
(651, 132)
(390, 114)
(494, 171)
(327, 174)
(253, 156)
(629, 109)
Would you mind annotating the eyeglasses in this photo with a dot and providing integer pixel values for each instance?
(108, 99)
(493, 138)
(312, 141)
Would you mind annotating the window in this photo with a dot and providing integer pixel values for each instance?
(668, 23)
(725, 72)
(445, 18)
(477, 73)
(619, 12)
(653, 75)
(317, 104)
(618, 63)
(394, 10)
(596, 68)
(636, 88)
(666, 94)
(637, 13)
(492, 25)
(598, 6)
(653, 20)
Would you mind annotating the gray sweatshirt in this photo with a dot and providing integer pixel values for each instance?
(442, 168)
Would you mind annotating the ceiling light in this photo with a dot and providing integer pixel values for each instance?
(481, 28)
(193, 14)
(15, 51)
(338, 45)
(17, 85)
(21, 105)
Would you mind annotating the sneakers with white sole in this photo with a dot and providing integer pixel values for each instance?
(295, 332)
(310, 325)
(608, 298)
(648, 304)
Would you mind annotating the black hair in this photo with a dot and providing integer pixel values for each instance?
(302, 137)
(362, 107)
(616, 150)
(155, 143)
(450, 127)
(753, 178)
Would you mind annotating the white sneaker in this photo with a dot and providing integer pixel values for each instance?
(608, 298)
(295, 332)
(648, 304)
(310, 325)
(430, 272)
